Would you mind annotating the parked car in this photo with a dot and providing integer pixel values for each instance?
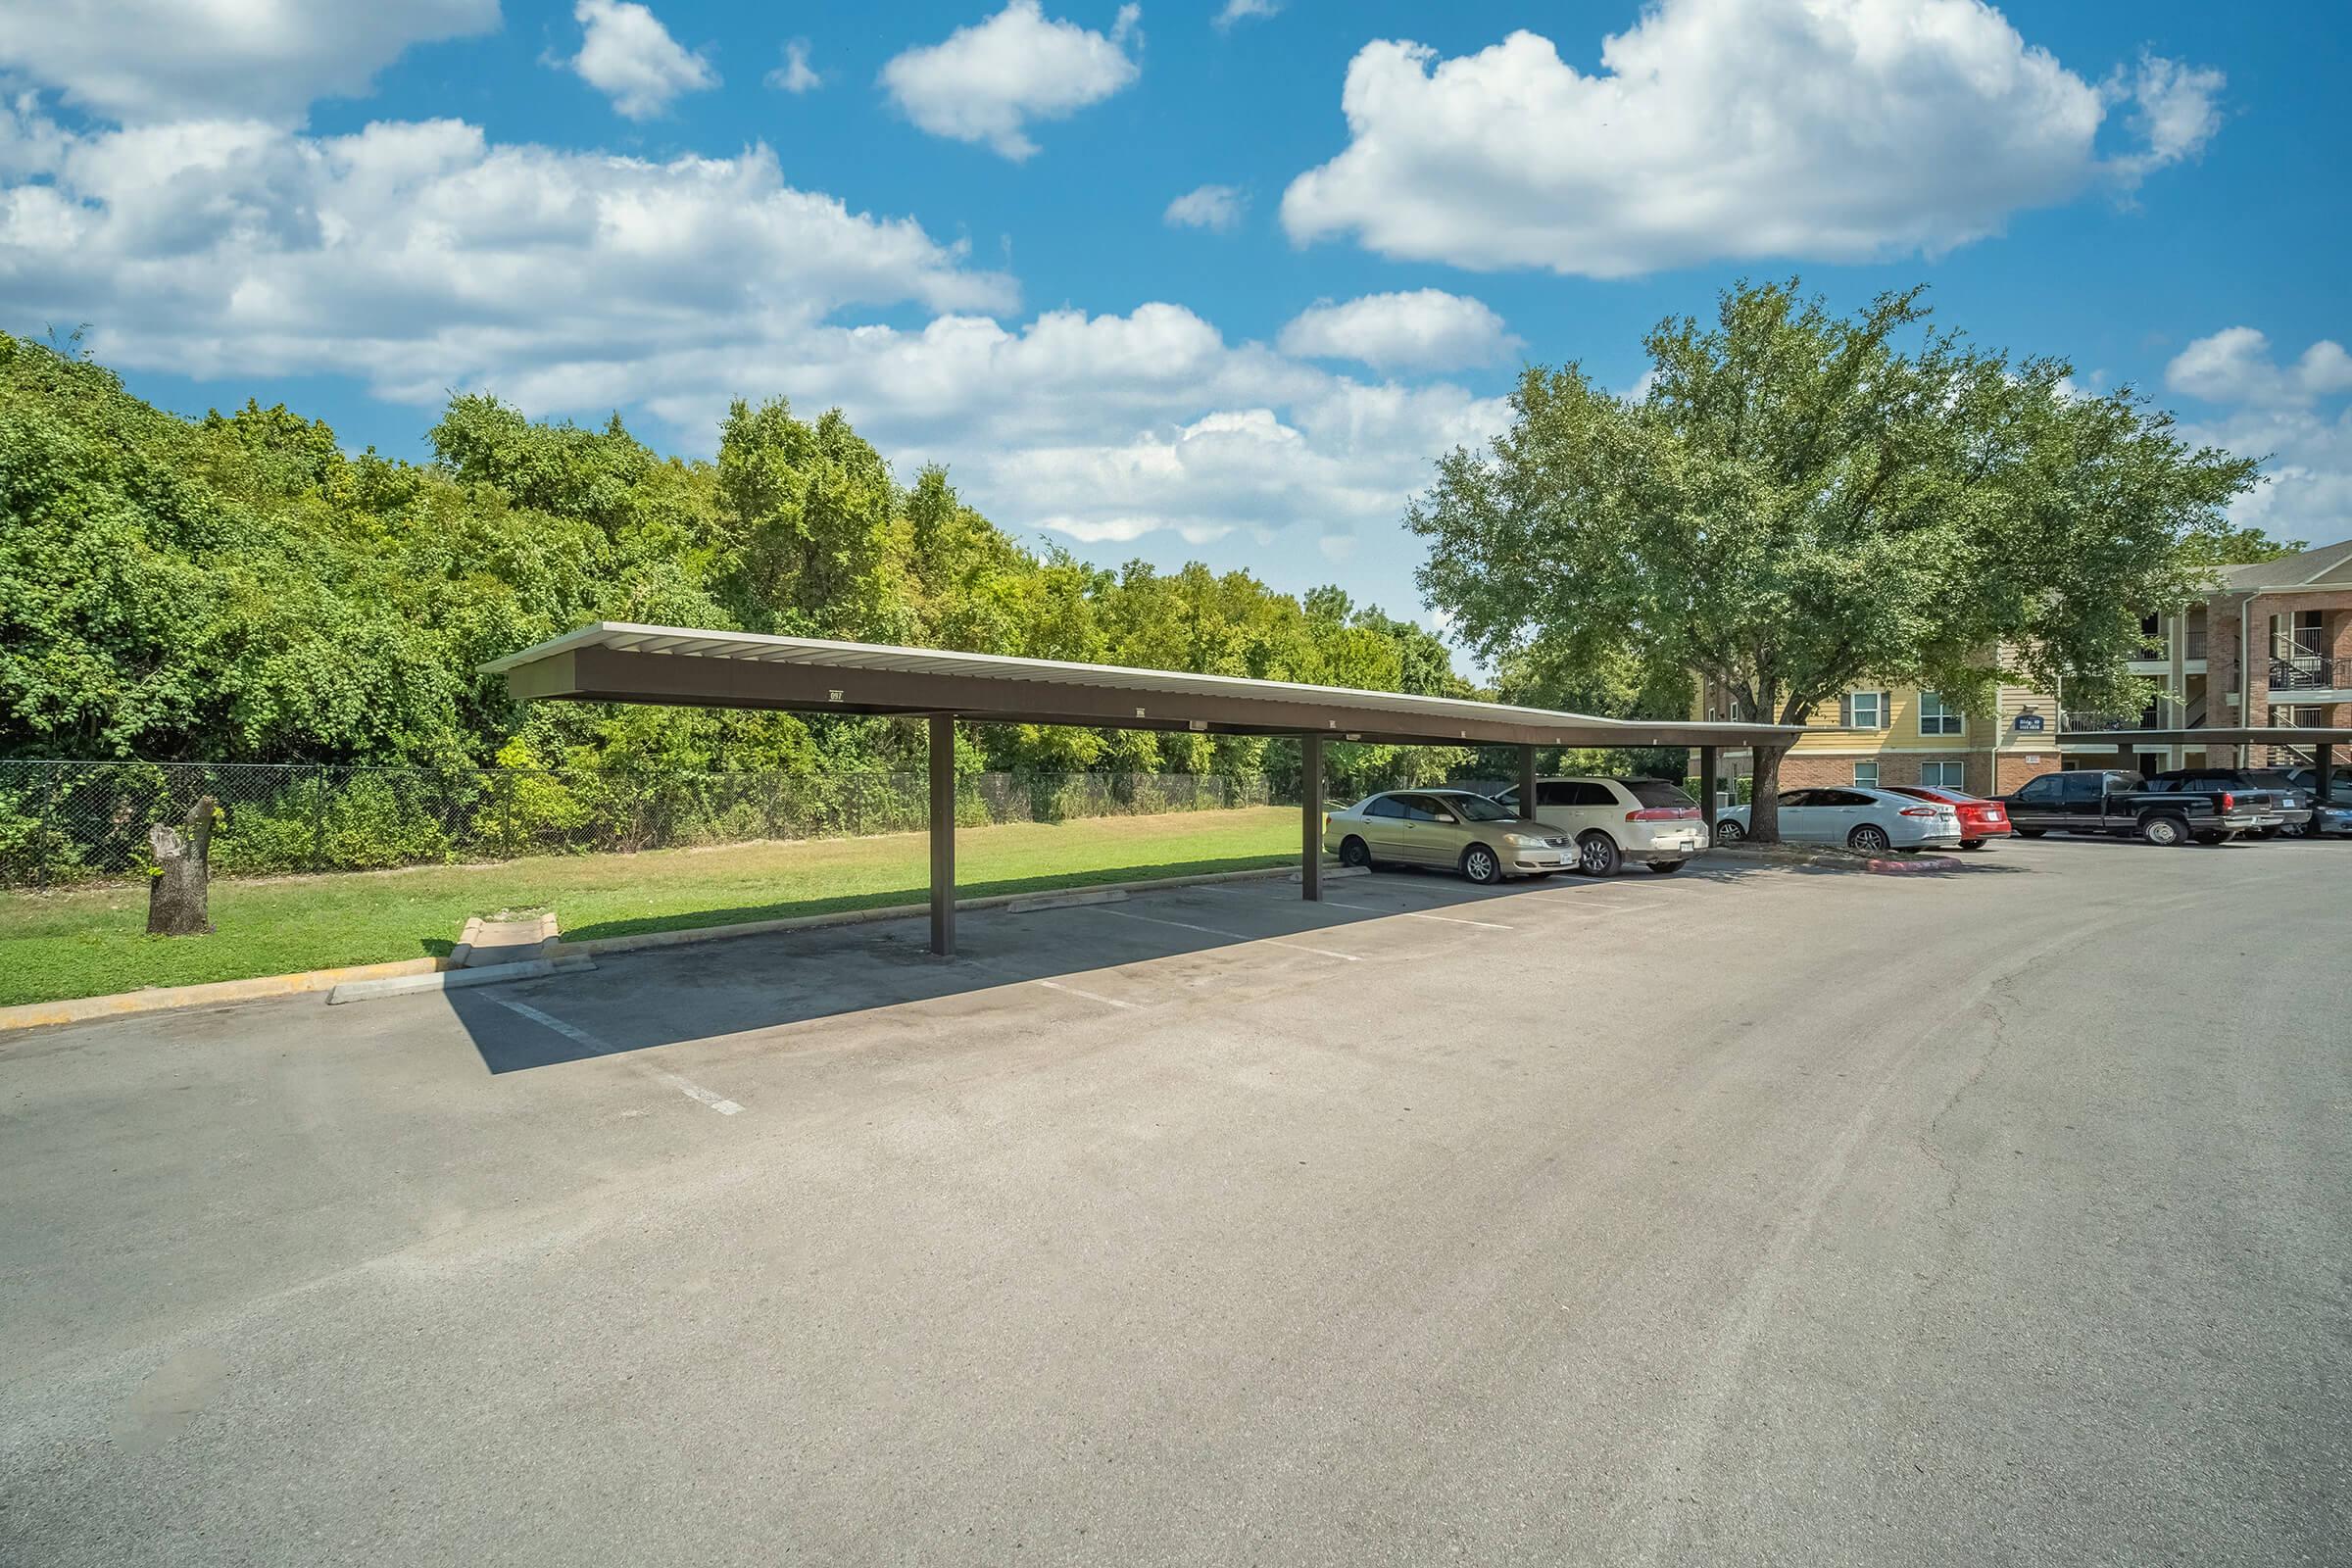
(2334, 814)
(1980, 819)
(2290, 802)
(2096, 800)
(1613, 821)
(1455, 829)
(1860, 818)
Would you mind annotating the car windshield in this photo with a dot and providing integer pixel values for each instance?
(1474, 808)
(1656, 792)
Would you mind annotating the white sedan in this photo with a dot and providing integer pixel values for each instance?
(1860, 818)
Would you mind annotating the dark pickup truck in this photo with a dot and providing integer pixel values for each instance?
(2094, 801)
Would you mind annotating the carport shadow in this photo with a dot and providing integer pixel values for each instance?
(742, 985)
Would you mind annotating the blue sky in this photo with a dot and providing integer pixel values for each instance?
(954, 221)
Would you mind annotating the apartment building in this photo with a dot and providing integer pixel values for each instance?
(1907, 735)
(2270, 645)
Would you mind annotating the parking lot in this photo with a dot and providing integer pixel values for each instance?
(1748, 1215)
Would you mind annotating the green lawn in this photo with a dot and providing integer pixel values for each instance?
(93, 942)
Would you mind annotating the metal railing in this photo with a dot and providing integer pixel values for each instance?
(2085, 719)
(2310, 673)
(66, 822)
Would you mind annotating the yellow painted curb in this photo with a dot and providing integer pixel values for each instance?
(162, 998)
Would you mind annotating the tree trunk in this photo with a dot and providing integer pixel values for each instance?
(179, 899)
(1764, 798)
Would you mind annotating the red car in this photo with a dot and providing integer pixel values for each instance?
(1979, 819)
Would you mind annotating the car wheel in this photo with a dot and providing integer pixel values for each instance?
(1667, 867)
(1869, 838)
(2029, 832)
(1354, 851)
(1481, 864)
(1972, 844)
(1596, 855)
(1728, 832)
(2165, 832)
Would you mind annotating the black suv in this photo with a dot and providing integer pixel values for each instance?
(2290, 802)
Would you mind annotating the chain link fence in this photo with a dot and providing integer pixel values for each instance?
(64, 822)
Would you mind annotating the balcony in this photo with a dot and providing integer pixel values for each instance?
(2310, 673)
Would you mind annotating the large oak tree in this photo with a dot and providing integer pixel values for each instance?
(1796, 502)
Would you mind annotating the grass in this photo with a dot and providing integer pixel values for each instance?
(93, 942)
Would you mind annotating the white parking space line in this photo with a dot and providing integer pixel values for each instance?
(1418, 914)
(1091, 995)
(1231, 936)
(678, 1081)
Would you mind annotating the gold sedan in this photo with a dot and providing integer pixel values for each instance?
(1452, 829)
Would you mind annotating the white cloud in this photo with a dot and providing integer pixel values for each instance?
(628, 56)
(1427, 329)
(986, 82)
(138, 61)
(2235, 366)
(418, 256)
(1245, 11)
(794, 74)
(1832, 130)
(1214, 207)
(422, 257)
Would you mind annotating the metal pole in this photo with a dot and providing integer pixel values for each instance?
(1310, 817)
(1706, 789)
(2322, 756)
(943, 834)
(1527, 781)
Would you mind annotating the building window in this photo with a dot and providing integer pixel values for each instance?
(1738, 713)
(1866, 775)
(1944, 775)
(1864, 710)
(1937, 720)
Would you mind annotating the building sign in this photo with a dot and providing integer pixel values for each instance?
(2031, 724)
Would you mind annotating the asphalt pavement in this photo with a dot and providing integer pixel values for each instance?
(1742, 1216)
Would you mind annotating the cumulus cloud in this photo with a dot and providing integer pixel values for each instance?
(796, 74)
(987, 82)
(138, 61)
(1236, 10)
(2235, 366)
(1214, 207)
(1428, 329)
(1729, 128)
(424, 257)
(628, 56)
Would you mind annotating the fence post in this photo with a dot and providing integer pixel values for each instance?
(318, 823)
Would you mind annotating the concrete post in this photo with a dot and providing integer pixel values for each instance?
(1310, 816)
(1527, 782)
(943, 834)
(1706, 789)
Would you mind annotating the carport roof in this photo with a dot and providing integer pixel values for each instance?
(2256, 735)
(621, 662)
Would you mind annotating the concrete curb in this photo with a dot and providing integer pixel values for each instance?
(489, 974)
(164, 999)
(1011, 903)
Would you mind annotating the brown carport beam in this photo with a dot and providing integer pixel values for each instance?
(1310, 816)
(943, 834)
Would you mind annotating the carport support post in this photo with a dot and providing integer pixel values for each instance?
(1310, 816)
(2322, 758)
(943, 834)
(1706, 789)
(1527, 782)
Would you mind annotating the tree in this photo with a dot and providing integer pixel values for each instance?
(1799, 501)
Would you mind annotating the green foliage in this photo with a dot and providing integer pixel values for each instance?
(1799, 501)
(238, 588)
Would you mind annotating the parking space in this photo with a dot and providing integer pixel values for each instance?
(1682, 1219)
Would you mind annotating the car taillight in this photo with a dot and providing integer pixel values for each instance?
(1920, 810)
(2228, 802)
(1664, 813)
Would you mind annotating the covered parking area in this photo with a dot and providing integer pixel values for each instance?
(617, 662)
(2319, 743)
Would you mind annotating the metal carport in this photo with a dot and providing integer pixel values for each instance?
(616, 662)
(2319, 739)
